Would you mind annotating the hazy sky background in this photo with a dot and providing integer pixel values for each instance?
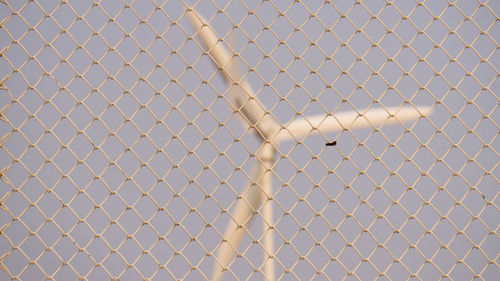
(124, 155)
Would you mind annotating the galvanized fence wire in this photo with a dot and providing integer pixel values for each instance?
(122, 158)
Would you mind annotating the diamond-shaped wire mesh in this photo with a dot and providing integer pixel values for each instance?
(121, 157)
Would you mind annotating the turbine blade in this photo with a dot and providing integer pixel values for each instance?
(351, 120)
(242, 96)
(251, 202)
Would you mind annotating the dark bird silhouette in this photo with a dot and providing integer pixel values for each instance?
(331, 143)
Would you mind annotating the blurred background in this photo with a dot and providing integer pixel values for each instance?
(121, 158)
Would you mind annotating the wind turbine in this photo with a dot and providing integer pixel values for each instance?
(257, 197)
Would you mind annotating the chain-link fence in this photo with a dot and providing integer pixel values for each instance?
(122, 156)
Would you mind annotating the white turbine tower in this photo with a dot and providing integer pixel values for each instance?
(257, 197)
